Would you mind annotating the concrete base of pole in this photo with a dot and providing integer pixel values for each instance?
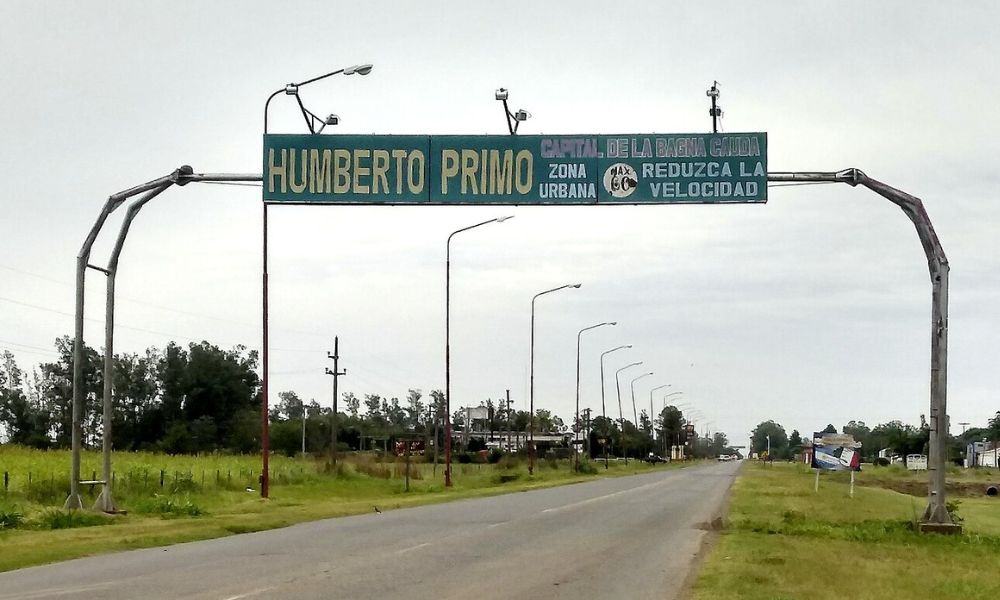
(73, 502)
(105, 502)
(942, 528)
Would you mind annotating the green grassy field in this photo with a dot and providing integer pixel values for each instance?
(783, 540)
(205, 497)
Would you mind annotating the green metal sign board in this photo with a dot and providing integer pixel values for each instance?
(522, 169)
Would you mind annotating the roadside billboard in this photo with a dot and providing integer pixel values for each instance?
(835, 452)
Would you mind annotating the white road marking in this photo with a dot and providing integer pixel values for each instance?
(251, 593)
(412, 548)
(604, 497)
(56, 591)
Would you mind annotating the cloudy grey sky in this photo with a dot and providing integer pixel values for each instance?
(813, 308)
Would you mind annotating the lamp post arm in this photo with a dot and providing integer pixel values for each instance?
(267, 105)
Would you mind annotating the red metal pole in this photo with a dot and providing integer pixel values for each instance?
(265, 445)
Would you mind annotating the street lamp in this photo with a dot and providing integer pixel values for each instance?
(621, 415)
(292, 89)
(447, 345)
(669, 395)
(514, 119)
(311, 119)
(635, 414)
(604, 410)
(651, 427)
(576, 455)
(531, 386)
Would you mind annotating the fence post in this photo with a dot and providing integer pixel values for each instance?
(161, 478)
(6, 481)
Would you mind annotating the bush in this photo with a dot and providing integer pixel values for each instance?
(494, 456)
(56, 518)
(168, 506)
(464, 458)
(881, 461)
(510, 461)
(500, 478)
(585, 467)
(183, 482)
(10, 517)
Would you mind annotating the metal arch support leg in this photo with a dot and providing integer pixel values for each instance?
(105, 501)
(74, 500)
(936, 516)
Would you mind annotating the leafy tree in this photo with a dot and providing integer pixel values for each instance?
(352, 403)
(290, 407)
(414, 408)
(606, 429)
(645, 424)
(862, 433)
(221, 385)
(373, 411)
(672, 422)
(543, 420)
(779, 439)
(794, 441)
(27, 421)
(719, 444)
(901, 438)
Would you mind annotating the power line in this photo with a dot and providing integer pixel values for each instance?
(237, 183)
(8, 342)
(800, 183)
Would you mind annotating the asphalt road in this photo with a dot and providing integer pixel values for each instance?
(624, 538)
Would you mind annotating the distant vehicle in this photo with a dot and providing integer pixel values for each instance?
(653, 459)
(726, 457)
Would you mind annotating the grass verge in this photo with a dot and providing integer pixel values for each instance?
(783, 540)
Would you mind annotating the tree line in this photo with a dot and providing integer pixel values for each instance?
(202, 398)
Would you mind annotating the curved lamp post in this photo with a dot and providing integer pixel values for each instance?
(635, 413)
(576, 455)
(531, 385)
(604, 410)
(652, 428)
(292, 89)
(621, 415)
(447, 345)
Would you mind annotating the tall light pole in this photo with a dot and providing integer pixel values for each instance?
(635, 413)
(576, 423)
(447, 345)
(652, 428)
(531, 385)
(604, 409)
(292, 89)
(621, 415)
(669, 395)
